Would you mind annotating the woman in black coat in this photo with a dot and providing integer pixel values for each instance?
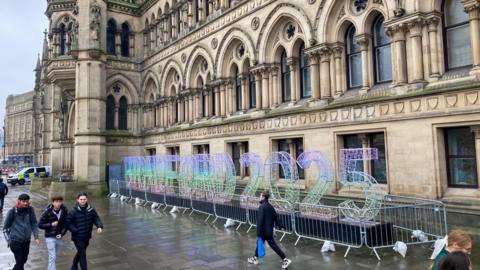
(266, 220)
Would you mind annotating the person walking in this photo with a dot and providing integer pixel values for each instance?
(53, 222)
(3, 193)
(266, 220)
(19, 226)
(80, 222)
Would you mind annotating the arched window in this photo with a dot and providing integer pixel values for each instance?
(123, 114)
(286, 86)
(305, 85)
(354, 59)
(457, 35)
(63, 39)
(382, 52)
(110, 113)
(238, 90)
(253, 90)
(111, 31)
(125, 40)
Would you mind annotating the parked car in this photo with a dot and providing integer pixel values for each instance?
(26, 175)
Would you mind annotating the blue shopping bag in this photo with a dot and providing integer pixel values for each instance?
(260, 247)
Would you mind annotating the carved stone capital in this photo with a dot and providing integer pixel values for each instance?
(415, 27)
(363, 40)
(432, 23)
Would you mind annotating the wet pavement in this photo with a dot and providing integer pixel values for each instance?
(136, 237)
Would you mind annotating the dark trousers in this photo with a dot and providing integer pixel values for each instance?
(20, 251)
(273, 245)
(2, 199)
(81, 256)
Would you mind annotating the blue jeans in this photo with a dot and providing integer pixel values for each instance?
(54, 249)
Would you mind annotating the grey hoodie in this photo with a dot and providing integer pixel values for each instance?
(21, 223)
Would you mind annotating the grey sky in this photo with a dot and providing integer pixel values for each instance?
(22, 23)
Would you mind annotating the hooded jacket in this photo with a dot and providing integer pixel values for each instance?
(80, 222)
(20, 224)
(48, 217)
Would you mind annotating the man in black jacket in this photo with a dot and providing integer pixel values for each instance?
(20, 224)
(80, 222)
(53, 222)
(3, 193)
(266, 220)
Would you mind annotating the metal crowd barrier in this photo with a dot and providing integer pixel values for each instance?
(400, 219)
(201, 201)
(227, 206)
(413, 221)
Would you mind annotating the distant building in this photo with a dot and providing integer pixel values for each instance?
(19, 128)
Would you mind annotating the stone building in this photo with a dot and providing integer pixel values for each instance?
(132, 77)
(19, 128)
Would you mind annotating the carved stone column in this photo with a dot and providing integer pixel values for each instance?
(118, 41)
(363, 41)
(258, 89)
(325, 73)
(152, 37)
(417, 54)
(315, 74)
(265, 99)
(181, 113)
(400, 64)
(223, 103)
(115, 117)
(473, 10)
(217, 101)
(434, 58)
(230, 98)
(337, 55)
(145, 42)
(132, 45)
(295, 92)
(191, 109)
(245, 93)
(190, 13)
(199, 105)
(275, 89)
(208, 103)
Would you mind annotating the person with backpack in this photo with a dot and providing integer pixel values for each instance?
(20, 224)
(80, 223)
(266, 220)
(53, 222)
(3, 193)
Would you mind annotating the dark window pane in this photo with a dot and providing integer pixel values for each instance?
(379, 166)
(299, 150)
(253, 91)
(459, 48)
(123, 114)
(125, 40)
(461, 158)
(286, 91)
(110, 121)
(238, 90)
(236, 157)
(454, 12)
(383, 61)
(111, 32)
(355, 70)
(304, 73)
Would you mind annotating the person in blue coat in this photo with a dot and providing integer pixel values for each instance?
(267, 219)
(80, 223)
